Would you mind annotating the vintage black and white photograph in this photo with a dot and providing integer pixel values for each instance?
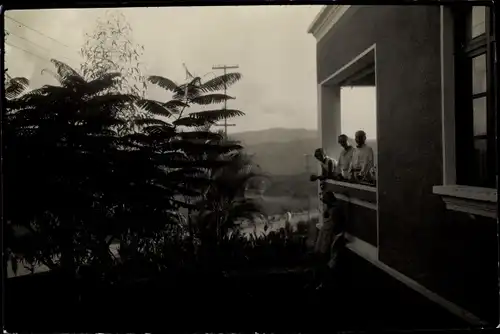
(273, 167)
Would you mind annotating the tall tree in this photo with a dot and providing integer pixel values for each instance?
(217, 164)
(111, 48)
(72, 181)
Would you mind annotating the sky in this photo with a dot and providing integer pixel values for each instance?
(275, 54)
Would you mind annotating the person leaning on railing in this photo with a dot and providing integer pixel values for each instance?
(327, 167)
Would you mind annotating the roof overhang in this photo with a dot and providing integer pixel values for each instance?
(326, 19)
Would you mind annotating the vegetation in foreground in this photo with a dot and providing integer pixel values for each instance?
(93, 161)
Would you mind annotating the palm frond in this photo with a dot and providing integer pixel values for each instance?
(217, 115)
(220, 82)
(210, 99)
(102, 83)
(187, 91)
(42, 97)
(15, 87)
(203, 135)
(111, 100)
(160, 133)
(175, 106)
(151, 121)
(67, 74)
(191, 147)
(154, 107)
(189, 122)
(195, 82)
(163, 82)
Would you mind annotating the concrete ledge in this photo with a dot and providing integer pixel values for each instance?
(472, 200)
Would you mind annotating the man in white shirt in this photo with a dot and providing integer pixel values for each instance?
(362, 158)
(327, 166)
(345, 158)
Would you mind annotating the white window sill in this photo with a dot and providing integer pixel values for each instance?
(472, 200)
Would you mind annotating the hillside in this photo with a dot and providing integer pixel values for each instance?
(281, 151)
(274, 135)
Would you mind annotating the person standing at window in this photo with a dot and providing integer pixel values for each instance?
(362, 158)
(345, 158)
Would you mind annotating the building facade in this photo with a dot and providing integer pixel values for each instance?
(431, 219)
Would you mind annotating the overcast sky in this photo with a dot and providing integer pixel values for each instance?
(270, 44)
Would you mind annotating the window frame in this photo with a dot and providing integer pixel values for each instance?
(465, 49)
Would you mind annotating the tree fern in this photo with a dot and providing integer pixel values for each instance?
(15, 87)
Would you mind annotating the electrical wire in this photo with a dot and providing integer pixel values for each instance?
(31, 53)
(35, 30)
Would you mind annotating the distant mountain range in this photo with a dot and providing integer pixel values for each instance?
(280, 151)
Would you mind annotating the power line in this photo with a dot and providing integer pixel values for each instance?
(38, 45)
(31, 53)
(35, 30)
(27, 40)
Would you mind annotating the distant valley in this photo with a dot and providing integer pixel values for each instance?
(280, 151)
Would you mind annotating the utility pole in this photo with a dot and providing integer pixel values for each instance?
(225, 68)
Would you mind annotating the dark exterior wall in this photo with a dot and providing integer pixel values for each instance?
(417, 235)
(463, 262)
(362, 221)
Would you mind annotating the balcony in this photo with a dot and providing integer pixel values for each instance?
(360, 205)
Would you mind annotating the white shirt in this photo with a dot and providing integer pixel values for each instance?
(362, 159)
(344, 163)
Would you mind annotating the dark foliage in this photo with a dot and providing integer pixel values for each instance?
(75, 182)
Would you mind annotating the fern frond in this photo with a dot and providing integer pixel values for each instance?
(217, 115)
(175, 106)
(154, 107)
(67, 74)
(111, 100)
(186, 92)
(151, 121)
(189, 122)
(210, 99)
(102, 83)
(220, 82)
(163, 82)
(15, 87)
(204, 135)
